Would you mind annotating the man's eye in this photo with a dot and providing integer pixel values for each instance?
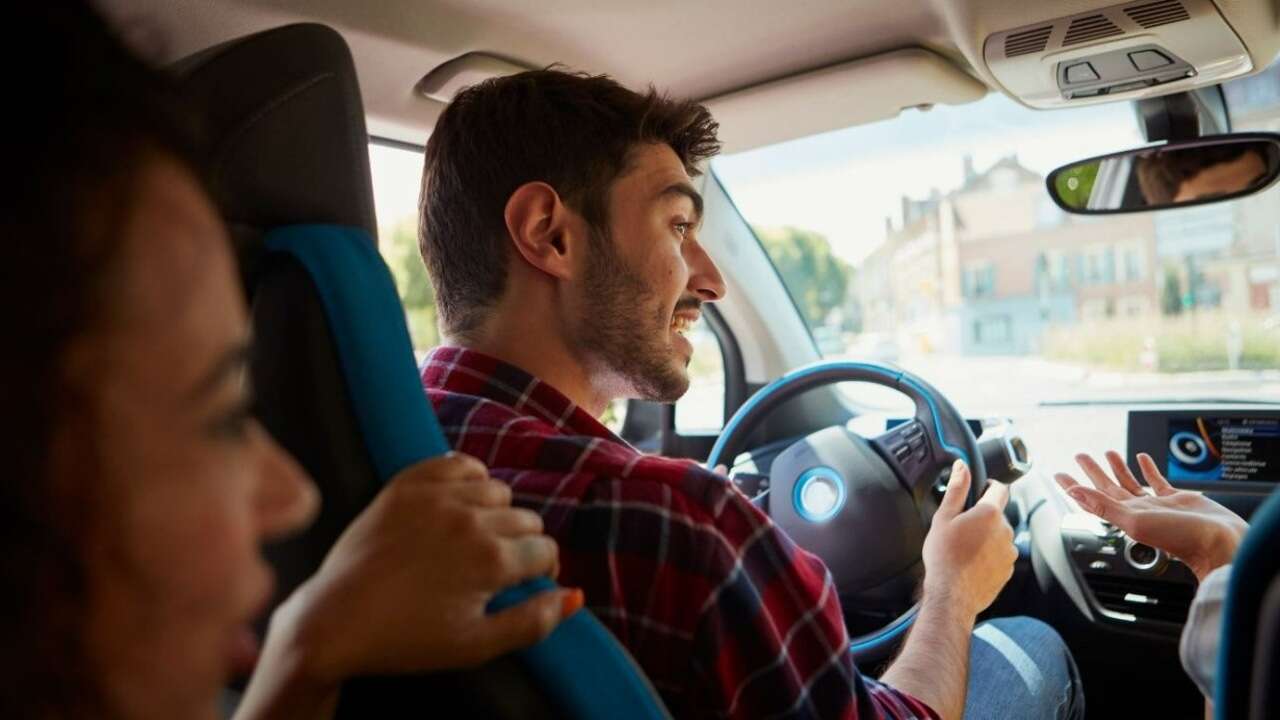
(683, 228)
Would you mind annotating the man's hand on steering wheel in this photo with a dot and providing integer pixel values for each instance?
(968, 554)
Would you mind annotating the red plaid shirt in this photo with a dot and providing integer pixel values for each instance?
(725, 614)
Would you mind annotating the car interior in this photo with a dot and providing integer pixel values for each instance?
(946, 228)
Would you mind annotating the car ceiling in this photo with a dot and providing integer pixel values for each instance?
(699, 49)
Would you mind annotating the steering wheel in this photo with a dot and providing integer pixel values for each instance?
(861, 505)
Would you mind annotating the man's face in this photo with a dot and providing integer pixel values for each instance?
(644, 281)
(1224, 178)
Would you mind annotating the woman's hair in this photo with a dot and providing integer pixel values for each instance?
(85, 118)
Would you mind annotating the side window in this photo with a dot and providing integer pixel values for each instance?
(701, 410)
(397, 176)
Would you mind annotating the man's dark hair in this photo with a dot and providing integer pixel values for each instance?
(1161, 173)
(572, 131)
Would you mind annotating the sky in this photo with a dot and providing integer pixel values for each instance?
(844, 183)
(397, 175)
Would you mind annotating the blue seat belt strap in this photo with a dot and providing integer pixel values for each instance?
(581, 665)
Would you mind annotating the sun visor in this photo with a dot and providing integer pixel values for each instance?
(852, 93)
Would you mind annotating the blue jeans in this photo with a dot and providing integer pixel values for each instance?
(1020, 668)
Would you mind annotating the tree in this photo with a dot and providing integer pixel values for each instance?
(401, 252)
(818, 281)
(1171, 293)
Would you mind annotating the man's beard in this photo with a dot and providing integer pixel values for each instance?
(626, 330)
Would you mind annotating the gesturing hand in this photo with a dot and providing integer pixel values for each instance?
(1187, 525)
(969, 554)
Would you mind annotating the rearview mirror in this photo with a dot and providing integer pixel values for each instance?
(1177, 174)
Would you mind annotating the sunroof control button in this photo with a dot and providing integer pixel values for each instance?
(1145, 60)
(1081, 72)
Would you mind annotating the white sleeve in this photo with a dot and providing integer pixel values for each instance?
(1199, 647)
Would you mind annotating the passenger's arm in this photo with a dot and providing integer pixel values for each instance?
(968, 557)
(1187, 525)
(404, 591)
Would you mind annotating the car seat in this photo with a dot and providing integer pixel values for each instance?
(1247, 684)
(332, 363)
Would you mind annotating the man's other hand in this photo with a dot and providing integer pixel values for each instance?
(968, 554)
(1187, 525)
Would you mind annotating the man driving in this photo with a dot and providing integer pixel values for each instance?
(1183, 175)
(559, 224)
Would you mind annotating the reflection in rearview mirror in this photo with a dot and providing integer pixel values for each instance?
(1184, 173)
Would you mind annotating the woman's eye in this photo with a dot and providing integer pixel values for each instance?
(233, 425)
(682, 228)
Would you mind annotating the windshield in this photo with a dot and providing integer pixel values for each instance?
(930, 241)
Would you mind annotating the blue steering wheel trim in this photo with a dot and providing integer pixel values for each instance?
(797, 494)
(803, 372)
(887, 635)
(892, 632)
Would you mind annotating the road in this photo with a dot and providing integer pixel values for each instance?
(1055, 405)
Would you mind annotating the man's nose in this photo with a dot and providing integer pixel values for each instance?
(705, 280)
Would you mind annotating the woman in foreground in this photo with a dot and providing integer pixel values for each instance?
(140, 486)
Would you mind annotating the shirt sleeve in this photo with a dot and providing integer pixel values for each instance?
(1198, 648)
(771, 640)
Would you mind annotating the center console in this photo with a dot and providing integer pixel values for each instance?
(1127, 582)
(1221, 450)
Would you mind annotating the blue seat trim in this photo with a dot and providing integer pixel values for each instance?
(581, 665)
(1255, 565)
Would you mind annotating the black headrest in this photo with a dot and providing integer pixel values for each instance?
(286, 144)
(285, 131)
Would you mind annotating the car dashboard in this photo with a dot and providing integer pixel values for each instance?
(1231, 452)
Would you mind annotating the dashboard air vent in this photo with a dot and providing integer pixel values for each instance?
(1147, 599)
(1090, 27)
(1027, 41)
(1155, 14)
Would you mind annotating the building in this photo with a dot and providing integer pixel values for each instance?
(986, 268)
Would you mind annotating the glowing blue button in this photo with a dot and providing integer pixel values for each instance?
(819, 494)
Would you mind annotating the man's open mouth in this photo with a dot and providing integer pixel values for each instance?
(680, 324)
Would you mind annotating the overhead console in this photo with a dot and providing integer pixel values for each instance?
(1128, 51)
(1228, 449)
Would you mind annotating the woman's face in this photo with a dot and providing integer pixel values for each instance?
(188, 484)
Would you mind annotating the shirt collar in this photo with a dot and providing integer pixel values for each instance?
(467, 372)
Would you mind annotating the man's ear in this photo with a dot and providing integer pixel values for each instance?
(542, 228)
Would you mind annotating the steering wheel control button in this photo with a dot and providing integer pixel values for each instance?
(819, 494)
(1145, 60)
(1083, 72)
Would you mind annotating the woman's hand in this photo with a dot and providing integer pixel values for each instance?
(1187, 525)
(405, 587)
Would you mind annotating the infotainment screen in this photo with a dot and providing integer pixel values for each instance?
(1231, 449)
(1209, 447)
